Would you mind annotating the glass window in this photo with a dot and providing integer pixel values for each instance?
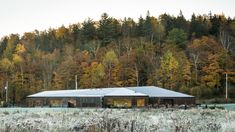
(55, 102)
(140, 102)
(122, 102)
(109, 101)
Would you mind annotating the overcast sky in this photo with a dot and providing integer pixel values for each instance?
(19, 16)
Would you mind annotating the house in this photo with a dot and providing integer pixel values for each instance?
(110, 97)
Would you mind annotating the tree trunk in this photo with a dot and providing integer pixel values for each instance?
(195, 62)
(137, 75)
(225, 40)
(22, 76)
(109, 72)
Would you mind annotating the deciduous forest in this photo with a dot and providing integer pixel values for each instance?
(190, 56)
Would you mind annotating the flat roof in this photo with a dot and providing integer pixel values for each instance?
(124, 92)
(150, 91)
(153, 91)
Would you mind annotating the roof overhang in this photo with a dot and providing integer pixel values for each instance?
(150, 91)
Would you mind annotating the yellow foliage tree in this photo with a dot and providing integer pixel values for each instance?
(168, 70)
(109, 61)
(93, 76)
(6, 65)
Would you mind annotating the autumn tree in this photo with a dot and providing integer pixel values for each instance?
(19, 79)
(11, 44)
(48, 64)
(6, 68)
(93, 76)
(30, 41)
(212, 69)
(64, 73)
(199, 51)
(128, 72)
(168, 69)
(110, 60)
(166, 51)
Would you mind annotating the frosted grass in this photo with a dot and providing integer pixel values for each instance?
(115, 120)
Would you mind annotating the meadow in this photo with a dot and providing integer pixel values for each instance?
(115, 120)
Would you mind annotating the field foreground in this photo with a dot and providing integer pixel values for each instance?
(124, 120)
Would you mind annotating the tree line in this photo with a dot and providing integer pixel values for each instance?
(189, 56)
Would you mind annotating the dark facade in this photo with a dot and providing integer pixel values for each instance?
(65, 102)
(153, 101)
(52, 102)
(89, 102)
(132, 97)
(108, 102)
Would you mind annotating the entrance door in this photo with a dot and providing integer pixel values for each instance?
(72, 102)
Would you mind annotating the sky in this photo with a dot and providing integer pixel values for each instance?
(19, 16)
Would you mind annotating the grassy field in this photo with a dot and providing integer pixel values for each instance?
(115, 120)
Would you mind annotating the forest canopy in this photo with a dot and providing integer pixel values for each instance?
(190, 56)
